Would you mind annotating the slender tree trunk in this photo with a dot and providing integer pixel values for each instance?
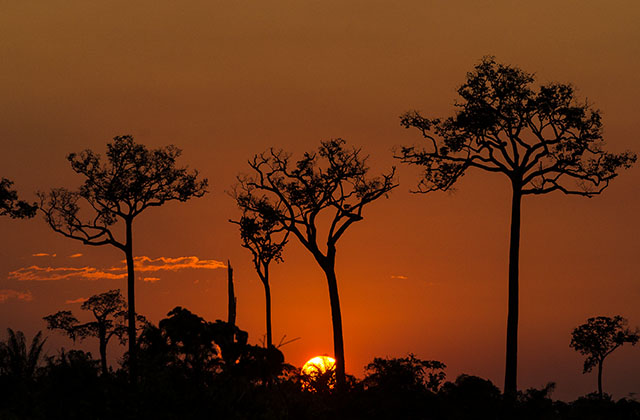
(131, 302)
(336, 318)
(267, 296)
(231, 310)
(600, 378)
(102, 337)
(511, 369)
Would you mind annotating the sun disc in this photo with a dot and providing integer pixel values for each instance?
(318, 365)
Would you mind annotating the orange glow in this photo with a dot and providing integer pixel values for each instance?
(318, 374)
(425, 274)
(318, 365)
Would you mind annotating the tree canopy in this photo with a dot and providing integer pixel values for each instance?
(542, 137)
(10, 205)
(132, 179)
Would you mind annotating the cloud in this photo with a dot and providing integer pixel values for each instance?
(400, 277)
(43, 254)
(37, 273)
(151, 279)
(141, 264)
(146, 264)
(75, 256)
(6, 294)
(79, 300)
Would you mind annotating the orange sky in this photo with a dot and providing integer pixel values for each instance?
(223, 80)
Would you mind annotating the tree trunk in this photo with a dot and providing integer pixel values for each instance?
(600, 362)
(102, 336)
(511, 369)
(267, 296)
(231, 310)
(131, 302)
(336, 318)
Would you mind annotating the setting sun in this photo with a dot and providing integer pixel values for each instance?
(318, 374)
(318, 365)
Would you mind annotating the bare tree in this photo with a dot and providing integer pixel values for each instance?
(110, 312)
(10, 205)
(132, 180)
(542, 139)
(262, 234)
(330, 185)
(598, 338)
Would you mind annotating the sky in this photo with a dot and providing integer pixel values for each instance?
(421, 274)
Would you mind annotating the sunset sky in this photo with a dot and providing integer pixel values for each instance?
(223, 80)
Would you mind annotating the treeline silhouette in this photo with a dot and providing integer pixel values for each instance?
(192, 368)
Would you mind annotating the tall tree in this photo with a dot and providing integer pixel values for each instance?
(10, 205)
(132, 180)
(110, 312)
(542, 139)
(330, 185)
(598, 338)
(263, 235)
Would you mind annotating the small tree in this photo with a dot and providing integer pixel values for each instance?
(598, 338)
(265, 237)
(133, 180)
(18, 361)
(10, 205)
(542, 140)
(331, 185)
(110, 312)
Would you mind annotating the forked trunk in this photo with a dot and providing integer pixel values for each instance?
(511, 369)
(336, 318)
(131, 302)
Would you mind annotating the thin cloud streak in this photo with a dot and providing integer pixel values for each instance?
(6, 294)
(400, 277)
(151, 279)
(37, 273)
(146, 264)
(72, 301)
(75, 255)
(43, 254)
(142, 264)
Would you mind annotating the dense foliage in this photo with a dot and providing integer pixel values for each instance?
(194, 369)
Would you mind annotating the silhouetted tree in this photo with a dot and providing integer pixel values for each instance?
(263, 234)
(110, 312)
(133, 179)
(191, 339)
(10, 205)
(199, 349)
(542, 139)
(598, 338)
(330, 185)
(471, 397)
(405, 374)
(16, 360)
